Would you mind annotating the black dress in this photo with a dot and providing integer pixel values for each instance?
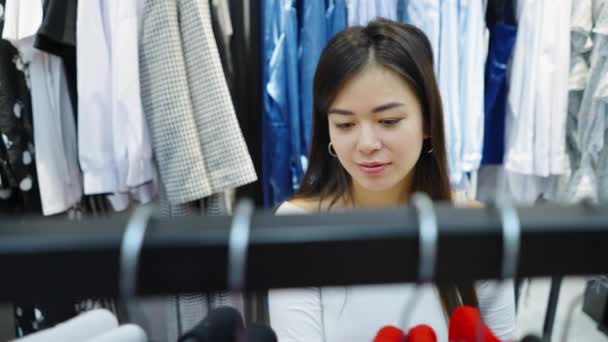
(19, 192)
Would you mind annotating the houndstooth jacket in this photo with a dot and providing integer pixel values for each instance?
(195, 134)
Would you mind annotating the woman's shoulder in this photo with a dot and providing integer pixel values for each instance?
(298, 206)
(473, 204)
(460, 199)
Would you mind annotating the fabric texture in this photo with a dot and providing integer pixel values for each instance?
(473, 52)
(449, 86)
(537, 101)
(223, 33)
(360, 12)
(115, 149)
(336, 17)
(59, 177)
(587, 107)
(57, 36)
(502, 40)
(246, 46)
(313, 37)
(426, 15)
(17, 152)
(196, 138)
(282, 152)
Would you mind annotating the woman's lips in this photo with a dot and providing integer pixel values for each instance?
(372, 168)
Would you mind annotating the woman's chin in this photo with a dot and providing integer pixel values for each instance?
(378, 185)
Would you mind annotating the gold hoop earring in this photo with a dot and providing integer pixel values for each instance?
(329, 149)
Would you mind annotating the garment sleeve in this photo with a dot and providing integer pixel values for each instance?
(296, 314)
(136, 157)
(497, 306)
(95, 138)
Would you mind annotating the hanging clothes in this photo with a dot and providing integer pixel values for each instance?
(473, 51)
(458, 38)
(360, 12)
(492, 177)
(281, 133)
(537, 102)
(445, 23)
(114, 145)
(197, 141)
(335, 17)
(235, 26)
(425, 14)
(246, 47)
(591, 116)
(195, 133)
(587, 107)
(290, 62)
(58, 172)
(57, 36)
(17, 157)
(313, 37)
(223, 32)
(449, 86)
(503, 32)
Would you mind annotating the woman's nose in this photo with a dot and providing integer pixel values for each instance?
(369, 141)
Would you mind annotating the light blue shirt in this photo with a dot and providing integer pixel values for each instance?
(425, 15)
(457, 33)
(449, 85)
(360, 12)
(473, 51)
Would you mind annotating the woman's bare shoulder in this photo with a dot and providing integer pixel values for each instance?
(460, 199)
(314, 204)
(308, 204)
(474, 204)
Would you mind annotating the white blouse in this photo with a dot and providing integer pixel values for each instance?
(356, 313)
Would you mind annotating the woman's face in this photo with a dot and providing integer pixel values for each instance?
(376, 128)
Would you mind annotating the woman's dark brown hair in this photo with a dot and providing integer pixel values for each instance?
(406, 51)
(403, 49)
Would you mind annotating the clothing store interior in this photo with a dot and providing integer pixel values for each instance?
(304, 170)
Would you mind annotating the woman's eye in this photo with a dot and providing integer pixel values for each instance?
(345, 125)
(389, 122)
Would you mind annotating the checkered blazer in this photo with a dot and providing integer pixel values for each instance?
(195, 134)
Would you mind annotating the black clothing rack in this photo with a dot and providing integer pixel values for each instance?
(49, 258)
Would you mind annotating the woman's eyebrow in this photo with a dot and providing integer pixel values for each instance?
(340, 111)
(387, 106)
(381, 108)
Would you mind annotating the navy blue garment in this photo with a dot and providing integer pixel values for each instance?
(266, 10)
(502, 41)
(281, 123)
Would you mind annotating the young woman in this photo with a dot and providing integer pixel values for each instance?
(378, 137)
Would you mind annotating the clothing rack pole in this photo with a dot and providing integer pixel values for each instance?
(48, 257)
(556, 284)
